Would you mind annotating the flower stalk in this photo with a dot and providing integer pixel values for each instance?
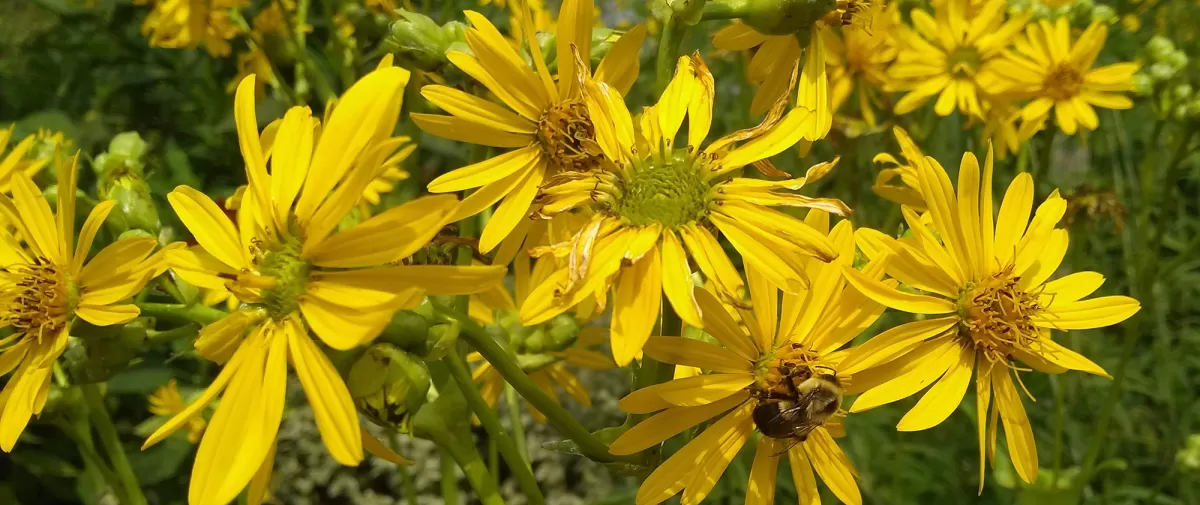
(130, 489)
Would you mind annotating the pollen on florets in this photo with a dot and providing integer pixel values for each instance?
(40, 300)
(288, 274)
(671, 191)
(997, 315)
(567, 137)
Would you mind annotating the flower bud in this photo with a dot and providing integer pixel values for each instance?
(1179, 112)
(126, 153)
(1188, 458)
(388, 385)
(417, 39)
(134, 203)
(1182, 92)
(441, 338)
(1162, 71)
(784, 17)
(1143, 84)
(407, 330)
(1104, 14)
(562, 332)
(1083, 7)
(101, 352)
(1159, 47)
(1177, 59)
(1193, 109)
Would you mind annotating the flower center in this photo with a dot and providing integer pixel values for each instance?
(567, 137)
(997, 315)
(1064, 82)
(963, 62)
(671, 191)
(288, 273)
(41, 298)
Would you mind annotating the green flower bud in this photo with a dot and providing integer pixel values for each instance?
(562, 331)
(1104, 14)
(1193, 109)
(1143, 84)
(134, 204)
(1188, 458)
(407, 330)
(388, 385)
(1159, 47)
(1083, 7)
(1182, 91)
(1180, 112)
(530, 363)
(782, 17)
(1162, 71)
(441, 338)
(1177, 59)
(417, 39)
(101, 352)
(536, 341)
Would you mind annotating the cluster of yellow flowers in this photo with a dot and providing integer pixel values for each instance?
(593, 200)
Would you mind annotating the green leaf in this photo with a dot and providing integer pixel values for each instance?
(160, 462)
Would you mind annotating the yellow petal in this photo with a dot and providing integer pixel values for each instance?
(527, 101)
(574, 29)
(381, 450)
(118, 263)
(88, 234)
(290, 156)
(37, 219)
(721, 325)
(327, 394)
(760, 489)
(802, 477)
(668, 423)
(219, 340)
(1088, 314)
(813, 92)
(260, 485)
(434, 279)
(1013, 217)
(917, 304)
(700, 106)
(943, 398)
(635, 306)
(697, 353)
(462, 130)
(487, 171)
(17, 402)
(244, 426)
(621, 64)
(107, 315)
(672, 106)
(209, 224)
(342, 327)
(1047, 262)
(833, 466)
(477, 110)
(390, 236)
(1021, 446)
(893, 343)
(1071, 288)
(515, 208)
(671, 477)
(677, 280)
(932, 359)
(223, 379)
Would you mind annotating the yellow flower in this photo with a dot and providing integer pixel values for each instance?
(253, 62)
(908, 192)
(185, 24)
(1001, 130)
(1059, 75)
(654, 198)
(14, 162)
(860, 57)
(983, 287)
(781, 346)
(167, 402)
(389, 174)
(771, 69)
(297, 275)
(45, 285)
(550, 128)
(953, 55)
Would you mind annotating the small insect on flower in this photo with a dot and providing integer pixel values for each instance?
(778, 372)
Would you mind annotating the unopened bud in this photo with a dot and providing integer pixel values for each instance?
(1182, 92)
(441, 338)
(1177, 59)
(1143, 84)
(1159, 47)
(101, 352)
(1162, 71)
(388, 385)
(1188, 458)
(1193, 109)
(1104, 14)
(417, 39)
(783, 17)
(562, 332)
(134, 204)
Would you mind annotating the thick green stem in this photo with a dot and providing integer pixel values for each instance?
(472, 465)
(186, 331)
(491, 422)
(668, 50)
(98, 413)
(196, 313)
(475, 335)
(716, 10)
(449, 479)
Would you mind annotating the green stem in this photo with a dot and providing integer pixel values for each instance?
(406, 478)
(491, 422)
(112, 444)
(87, 451)
(668, 49)
(187, 331)
(196, 312)
(514, 420)
(472, 465)
(717, 10)
(478, 338)
(449, 480)
(1059, 414)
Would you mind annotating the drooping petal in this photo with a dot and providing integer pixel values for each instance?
(833, 466)
(332, 406)
(672, 476)
(635, 306)
(1021, 446)
(668, 423)
(760, 489)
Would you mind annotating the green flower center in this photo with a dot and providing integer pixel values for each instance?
(290, 273)
(672, 192)
(998, 315)
(963, 62)
(1064, 82)
(567, 137)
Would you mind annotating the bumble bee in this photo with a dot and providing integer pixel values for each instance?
(805, 407)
